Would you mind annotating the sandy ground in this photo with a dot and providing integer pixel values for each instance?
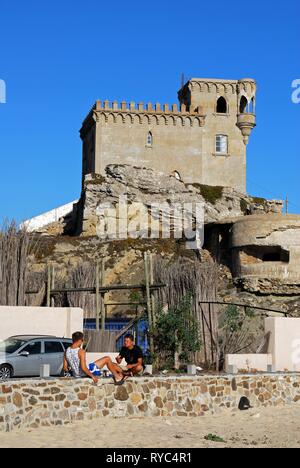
(266, 427)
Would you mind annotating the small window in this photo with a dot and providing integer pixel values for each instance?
(221, 106)
(222, 144)
(33, 348)
(150, 139)
(52, 347)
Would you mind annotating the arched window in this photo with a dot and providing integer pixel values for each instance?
(243, 105)
(177, 175)
(149, 139)
(222, 105)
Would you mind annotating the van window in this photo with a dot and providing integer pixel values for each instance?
(66, 344)
(52, 347)
(33, 348)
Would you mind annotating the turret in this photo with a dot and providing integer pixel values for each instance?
(246, 119)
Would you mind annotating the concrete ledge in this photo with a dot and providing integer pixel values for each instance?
(36, 403)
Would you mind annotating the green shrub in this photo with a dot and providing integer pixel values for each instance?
(211, 194)
(214, 438)
(176, 331)
(258, 200)
(244, 206)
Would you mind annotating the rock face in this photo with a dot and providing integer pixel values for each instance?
(146, 186)
(247, 265)
(269, 286)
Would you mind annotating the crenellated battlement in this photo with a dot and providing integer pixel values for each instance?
(140, 113)
(222, 87)
(141, 107)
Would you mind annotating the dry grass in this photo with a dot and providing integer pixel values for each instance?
(16, 247)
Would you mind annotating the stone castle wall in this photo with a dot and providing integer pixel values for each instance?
(183, 137)
(36, 403)
(118, 135)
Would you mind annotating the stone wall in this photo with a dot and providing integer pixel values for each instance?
(182, 140)
(116, 136)
(35, 403)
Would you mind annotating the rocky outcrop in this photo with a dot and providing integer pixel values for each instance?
(225, 208)
(270, 286)
(146, 186)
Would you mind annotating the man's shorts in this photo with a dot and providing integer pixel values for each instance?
(125, 369)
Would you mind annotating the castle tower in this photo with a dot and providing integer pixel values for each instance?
(229, 106)
(202, 141)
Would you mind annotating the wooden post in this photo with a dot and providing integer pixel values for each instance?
(49, 285)
(153, 304)
(204, 335)
(102, 301)
(178, 352)
(98, 299)
(216, 337)
(211, 333)
(147, 277)
(287, 205)
(52, 284)
(176, 355)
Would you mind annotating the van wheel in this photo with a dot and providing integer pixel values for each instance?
(6, 372)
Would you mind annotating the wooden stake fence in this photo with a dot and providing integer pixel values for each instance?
(100, 290)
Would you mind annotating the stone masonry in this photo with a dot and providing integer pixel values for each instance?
(177, 139)
(36, 403)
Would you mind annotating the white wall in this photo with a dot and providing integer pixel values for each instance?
(284, 342)
(248, 362)
(49, 217)
(283, 350)
(61, 322)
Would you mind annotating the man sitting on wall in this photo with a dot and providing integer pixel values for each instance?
(75, 361)
(133, 356)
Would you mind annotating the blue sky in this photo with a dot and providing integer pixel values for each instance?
(58, 57)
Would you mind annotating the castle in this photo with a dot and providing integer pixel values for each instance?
(203, 140)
